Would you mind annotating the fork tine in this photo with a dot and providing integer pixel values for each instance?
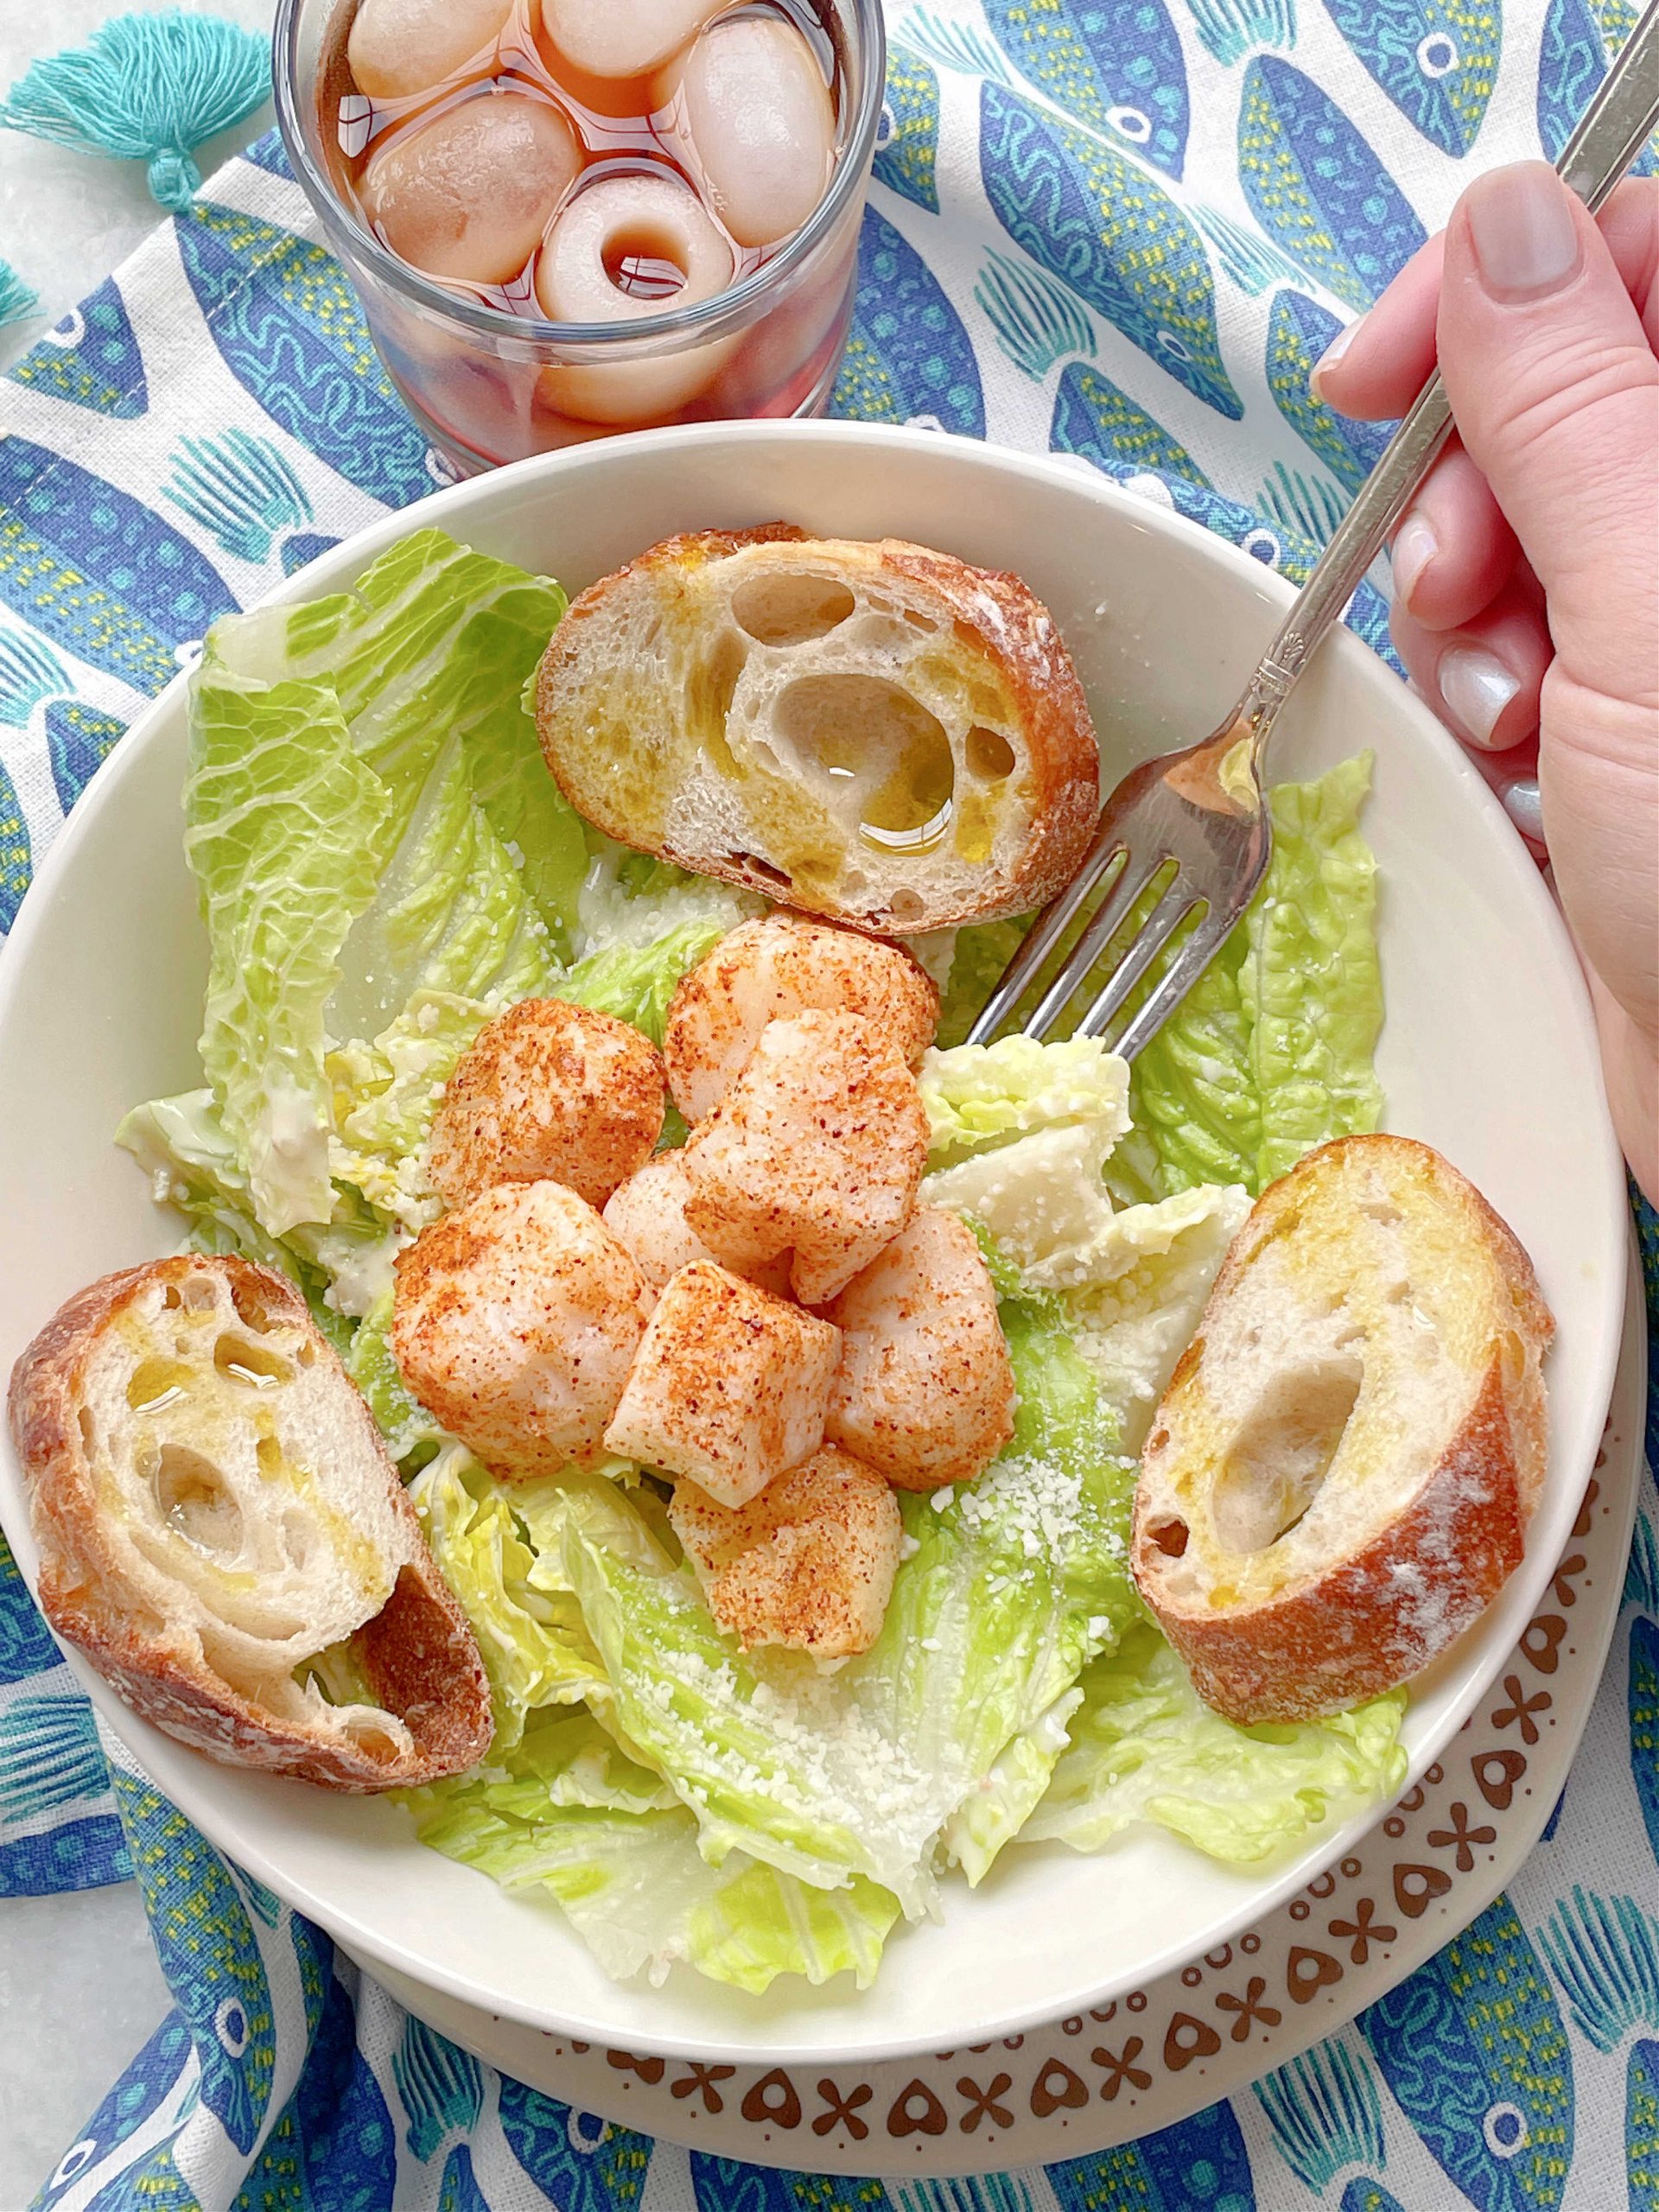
(1184, 970)
(1132, 879)
(1043, 936)
(1153, 935)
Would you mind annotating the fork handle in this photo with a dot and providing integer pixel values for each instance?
(1611, 133)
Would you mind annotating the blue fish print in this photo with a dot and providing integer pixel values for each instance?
(1094, 419)
(288, 324)
(1245, 256)
(1312, 506)
(334, 2148)
(1115, 65)
(459, 2191)
(210, 1955)
(1314, 185)
(26, 1645)
(1324, 2114)
(1645, 1722)
(299, 551)
(1436, 59)
(1230, 27)
(1198, 2166)
(79, 741)
(91, 358)
(29, 671)
(15, 860)
(264, 1904)
(908, 142)
(155, 2184)
(146, 2084)
(1571, 62)
(98, 571)
(1642, 1568)
(313, 1952)
(1299, 330)
(81, 1854)
(1605, 1953)
(1038, 321)
(49, 1755)
(1476, 2053)
(1100, 224)
(580, 2164)
(442, 2085)
(908, 358)
(239, 489)
(269, 153)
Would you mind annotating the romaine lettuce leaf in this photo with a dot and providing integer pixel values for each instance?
(978, 954)
(285, 831)
(537, 1651)
(570, 1814)
(979, 1095)
(635, 982)
(1272, 1052)
(632, 901)
(1145, 1747)
(1013, 1582)
(403, 1422)
(385, 1095)
(181, 1144)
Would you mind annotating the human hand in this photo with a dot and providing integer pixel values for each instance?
(1526, 571)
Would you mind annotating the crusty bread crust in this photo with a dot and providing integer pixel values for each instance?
(418, 1653)
(1004, 644)
(1376, 1614)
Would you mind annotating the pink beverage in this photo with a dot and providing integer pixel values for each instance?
(617, 196)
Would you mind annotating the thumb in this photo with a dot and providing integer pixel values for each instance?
(1555, 389)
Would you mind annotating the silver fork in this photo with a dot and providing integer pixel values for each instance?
(1203, 808)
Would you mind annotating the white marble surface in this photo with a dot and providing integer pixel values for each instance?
(79, 1988)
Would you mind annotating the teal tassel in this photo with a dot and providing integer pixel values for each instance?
(18, 302)
(149, 88)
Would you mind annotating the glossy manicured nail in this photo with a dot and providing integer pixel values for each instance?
(1525, 239)
(1524, 807)
(1414, 547)
(1475, 688)
(1334, 352)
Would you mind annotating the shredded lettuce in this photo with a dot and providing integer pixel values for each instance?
(1145, 1747)
(979, 1095)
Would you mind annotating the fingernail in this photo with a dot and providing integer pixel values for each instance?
(1475, 688)
(1524, 807)
(1521, 223)
(1414, 547)
(1333, 353)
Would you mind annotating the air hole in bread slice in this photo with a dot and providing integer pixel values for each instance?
(881, 752)
(907, 907)
(1282, 1454)
(767, 873)
(989, 755)
(194, 1500)
(254, 1367)
(1169, 1534)
(779, 609)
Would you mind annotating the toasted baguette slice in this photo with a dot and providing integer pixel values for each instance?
(1341, 1474)
(870, 731)
(215, 1510)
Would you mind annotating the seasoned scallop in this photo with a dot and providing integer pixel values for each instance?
(515, 1322)
(729, 1385)
(772, 970)
(816, 1150)
(467, 194)
(647, 1215)
(807, 1565)
(925, 1391)
(548, 1090)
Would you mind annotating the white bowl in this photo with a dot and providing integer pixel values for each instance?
(1488, 1053)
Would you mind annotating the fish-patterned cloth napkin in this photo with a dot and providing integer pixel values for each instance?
(1120, 229)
